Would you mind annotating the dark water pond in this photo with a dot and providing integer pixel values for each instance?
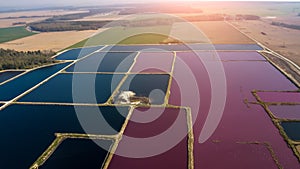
(78, 53)
(78, 154)
(90, 88)
(146, 85)
(292, 129)
(8, 74)
(19, 85)
(27, 130)
(105, 62)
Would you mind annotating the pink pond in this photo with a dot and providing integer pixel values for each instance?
(154, 138)
(239, 122)
(232, 155)
(154, 62)
(232, 56)
(285, 97)
(286, 111)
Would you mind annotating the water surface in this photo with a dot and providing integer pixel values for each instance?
(153, 130)
(19, 85)
(74, 54)
(78, 154)
(105, 62)
(29, 129)
(90, 88)
(154, 62)
(286, 97)
(8, 75)
(184, 47)
(148, 85)
(286, 111)
(292, 129)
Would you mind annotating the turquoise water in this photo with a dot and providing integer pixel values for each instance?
(19, 85)
(27, 130)
(61, 88)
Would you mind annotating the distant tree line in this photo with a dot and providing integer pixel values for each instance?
(94, 25)
(78, 15)
(291, 26)
(246, 17)
(11, 59)
(160, 8)
(66, 25)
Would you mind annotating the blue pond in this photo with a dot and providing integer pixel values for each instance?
(292, 129)
(77, 53)
(8, 75)
(79, 154)
(28, 130)
(185, 47)
(105, 62)
(89, 88)
(19, 85)
(144, 84)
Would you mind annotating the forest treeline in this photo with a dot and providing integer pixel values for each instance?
(11, 59)
(291, 26)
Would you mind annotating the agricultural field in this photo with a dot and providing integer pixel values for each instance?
(282, 40)
(12, 33)
(142, 35)
(54, 41)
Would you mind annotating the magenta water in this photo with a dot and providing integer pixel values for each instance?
(154, 62)
(241, 122)
(238, 56)
(286, 97)
(286, 111)
(147, 127)
(229, 55)
(234, 155)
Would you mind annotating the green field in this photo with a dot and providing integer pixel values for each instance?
(125, 36)
(12, 33)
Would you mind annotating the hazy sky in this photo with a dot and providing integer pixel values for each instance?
(45, 3)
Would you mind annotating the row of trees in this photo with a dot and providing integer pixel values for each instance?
(11, 59)
(291, 26)
(66, 25)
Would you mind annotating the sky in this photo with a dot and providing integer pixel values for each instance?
(48, 3)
